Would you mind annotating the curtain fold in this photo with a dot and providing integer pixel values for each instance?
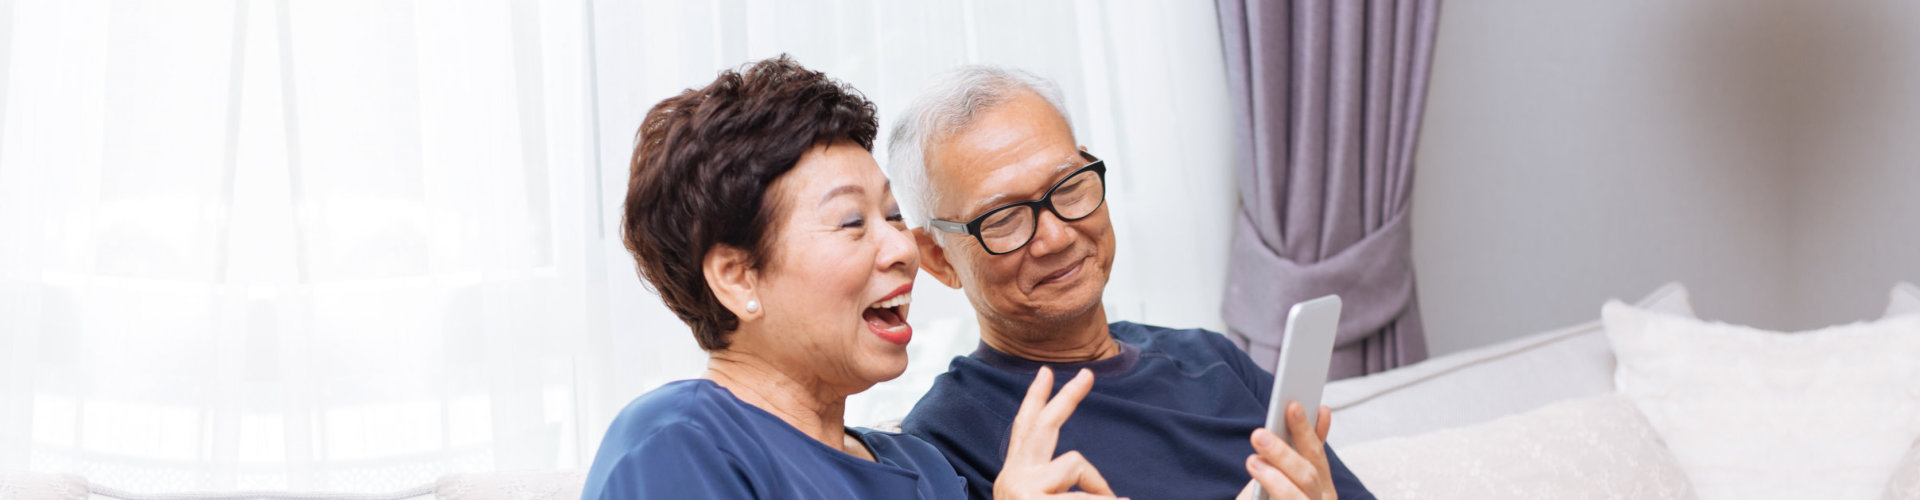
(1327, 99)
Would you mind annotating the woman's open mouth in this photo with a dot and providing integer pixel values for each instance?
(888, 317)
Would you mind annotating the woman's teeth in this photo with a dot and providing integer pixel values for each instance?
(896, 301)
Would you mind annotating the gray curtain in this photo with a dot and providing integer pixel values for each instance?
(1328, 97)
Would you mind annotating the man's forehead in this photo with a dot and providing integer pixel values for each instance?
(1015, 181)
(1007, 154)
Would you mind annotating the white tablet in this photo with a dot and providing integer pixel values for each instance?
(1302, 372)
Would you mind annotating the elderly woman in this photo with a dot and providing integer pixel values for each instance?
(756, 211)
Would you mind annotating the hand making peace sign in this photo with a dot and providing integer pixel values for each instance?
(1031, 471)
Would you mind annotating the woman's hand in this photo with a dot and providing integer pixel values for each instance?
(1031, 470)
(1299, 472)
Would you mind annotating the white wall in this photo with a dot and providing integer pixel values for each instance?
(1760, 152)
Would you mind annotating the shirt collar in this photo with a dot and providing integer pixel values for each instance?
(1120, 364)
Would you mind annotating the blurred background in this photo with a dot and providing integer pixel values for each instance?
(352, 245)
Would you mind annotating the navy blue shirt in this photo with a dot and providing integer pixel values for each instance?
(1169, 417)
(694, 439)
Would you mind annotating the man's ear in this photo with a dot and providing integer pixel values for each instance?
(933, 259)
(731, 276)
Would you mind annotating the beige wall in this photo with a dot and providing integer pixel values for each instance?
(1763, 153)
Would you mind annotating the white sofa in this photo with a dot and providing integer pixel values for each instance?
(1540, 417)
(520, 485)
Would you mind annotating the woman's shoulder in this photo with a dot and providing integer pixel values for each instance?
(909, 452)
(675, 441)
(682, 408)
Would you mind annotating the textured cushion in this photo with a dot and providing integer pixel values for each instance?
(540, 485)
(1905, 484)
(1598, 447)
(37, 486)
(1478, 385)
(1756, 414)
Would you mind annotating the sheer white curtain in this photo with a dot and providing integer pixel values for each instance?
(352, 245)
(308, 245)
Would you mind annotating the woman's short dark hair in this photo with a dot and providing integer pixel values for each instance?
(702, 164)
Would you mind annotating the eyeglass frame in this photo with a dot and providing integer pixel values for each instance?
(972, 227)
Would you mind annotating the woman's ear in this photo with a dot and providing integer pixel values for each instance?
(731, 276)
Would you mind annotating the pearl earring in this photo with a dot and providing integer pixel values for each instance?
(753, 306)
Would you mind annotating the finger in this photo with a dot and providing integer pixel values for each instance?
(1036, 396)
(1276, 484)
(1310, 445)
(1325, 424)
(1023, 419)
(1072, 469)
(1081, 495)
(1287, 464)
(1301, 432)
(1057, 410)
(1301, 471)
(1268, 446)
(1305, 441)
(1298, 468)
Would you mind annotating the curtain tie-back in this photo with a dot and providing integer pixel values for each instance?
(1374, 279)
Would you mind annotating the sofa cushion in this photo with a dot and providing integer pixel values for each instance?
(1750, 413)
(1481, 384)
(38, 486)
(1597, 447)
(526, 485)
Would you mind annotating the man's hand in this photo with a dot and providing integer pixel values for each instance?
(1031, 470)
(1289, 474)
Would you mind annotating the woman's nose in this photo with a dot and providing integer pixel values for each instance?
(897, 249)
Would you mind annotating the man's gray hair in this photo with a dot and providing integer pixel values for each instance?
(947, 107)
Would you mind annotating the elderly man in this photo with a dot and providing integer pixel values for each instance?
(1008, 209)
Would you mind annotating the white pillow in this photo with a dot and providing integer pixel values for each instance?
(1597, 447)
(1756, 414)
(1904, 299)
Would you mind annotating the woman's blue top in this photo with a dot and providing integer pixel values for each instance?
(694, 439)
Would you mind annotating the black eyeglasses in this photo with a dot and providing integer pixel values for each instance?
(1009, 227)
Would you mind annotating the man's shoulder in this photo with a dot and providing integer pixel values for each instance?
(895, 444)
(966, 392)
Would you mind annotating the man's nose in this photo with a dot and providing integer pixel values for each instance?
(1051, 235)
